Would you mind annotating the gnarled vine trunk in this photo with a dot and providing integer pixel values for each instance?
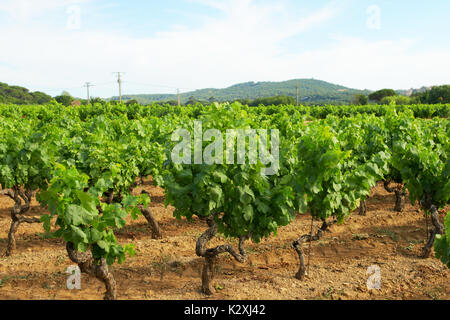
(298, 246)
(400, 200)
(17, 212)
(154, 225)
(363, 208)
(400, 195)
(210, 255)
(438, 229)
(98, 269)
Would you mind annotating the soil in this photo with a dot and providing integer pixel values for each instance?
(168, 269)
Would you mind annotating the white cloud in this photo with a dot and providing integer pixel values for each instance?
(363, 64)
(244, 44)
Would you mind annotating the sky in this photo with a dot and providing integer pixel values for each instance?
(159, 46)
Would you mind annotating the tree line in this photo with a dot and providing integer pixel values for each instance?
(436, 95)
(439, 94)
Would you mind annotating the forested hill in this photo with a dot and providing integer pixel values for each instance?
(20, 95)
(310, 92)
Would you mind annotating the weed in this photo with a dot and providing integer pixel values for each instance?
(391, 234)
(435, 293)
(330, 291)
(60, 259)
(219, 287)
(5, 280)
(362, 236)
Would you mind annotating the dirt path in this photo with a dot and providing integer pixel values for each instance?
(169, 268)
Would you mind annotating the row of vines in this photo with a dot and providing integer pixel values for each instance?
(83, 163)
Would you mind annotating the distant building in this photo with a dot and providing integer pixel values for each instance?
(76, 103)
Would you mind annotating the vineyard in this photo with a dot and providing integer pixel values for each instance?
(95, 186)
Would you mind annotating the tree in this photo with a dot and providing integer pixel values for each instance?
(19, 95)
(436, 95)
(275, 101)
(380, 94)
(171, 102)
(132, 102)
(97, 100)
(191, 101)
(41, 98)
(361, 99)
(65, 100)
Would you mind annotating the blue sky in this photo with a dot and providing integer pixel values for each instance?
(56, 45)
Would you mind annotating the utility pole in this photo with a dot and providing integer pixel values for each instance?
(179, 98)
(88, 85)
(297, 93)
(119, 81)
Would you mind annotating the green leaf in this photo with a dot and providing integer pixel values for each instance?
(79, 235)
(77, 215)
(46, 220)
(87, 201)
(102, 244)
(248, 213)
(144, 199)
(219, 177)
(135, 213)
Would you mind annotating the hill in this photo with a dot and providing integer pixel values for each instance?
(310, 92)
(20, 95)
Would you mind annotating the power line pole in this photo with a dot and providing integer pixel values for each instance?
(297, 93)
(88, 85)
(179, 98)
(119, 81)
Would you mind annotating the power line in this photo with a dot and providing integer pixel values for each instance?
(159, 85)
(119, 81)
(88, 85)
(104, 83)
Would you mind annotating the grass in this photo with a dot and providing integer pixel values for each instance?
(362, 236)
(5, 280)
(162, 266)
(391, 234)
(60, 259)
(219, 287)
(45, 236)
(412, 244)
(329, 292)
(435, 293)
